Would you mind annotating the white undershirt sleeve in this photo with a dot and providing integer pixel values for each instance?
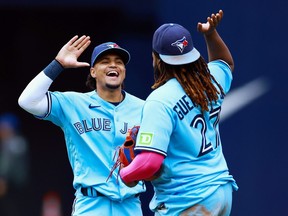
(34, 97)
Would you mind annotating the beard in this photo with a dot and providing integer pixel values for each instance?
(112, 86)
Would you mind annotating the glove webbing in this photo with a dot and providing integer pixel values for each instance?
(128, 156)
(116, 164)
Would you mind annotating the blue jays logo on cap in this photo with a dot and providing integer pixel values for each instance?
(113, 45)
(109, 47)
(174, 44)
(181, 44)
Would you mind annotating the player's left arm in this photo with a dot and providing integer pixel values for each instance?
(144, 166)
(216, 47)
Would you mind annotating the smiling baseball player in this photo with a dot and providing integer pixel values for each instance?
(94, 124)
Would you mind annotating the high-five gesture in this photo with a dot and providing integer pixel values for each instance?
(211, 24)
(88, 146)
(70, 52)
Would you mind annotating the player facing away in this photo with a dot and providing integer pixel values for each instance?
(94, 124)
(179, 136)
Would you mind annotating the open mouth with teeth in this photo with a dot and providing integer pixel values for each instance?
(112, 74)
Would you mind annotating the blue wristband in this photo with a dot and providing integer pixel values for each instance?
(53, 69)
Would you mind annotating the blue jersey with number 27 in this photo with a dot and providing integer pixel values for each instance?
(172, 125)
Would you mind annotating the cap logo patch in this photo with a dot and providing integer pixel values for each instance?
(181, 44)
(113, 45)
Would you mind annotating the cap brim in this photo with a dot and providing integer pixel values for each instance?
(124, 54)
(186, 58)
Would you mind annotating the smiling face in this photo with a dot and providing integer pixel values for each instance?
(109, 72)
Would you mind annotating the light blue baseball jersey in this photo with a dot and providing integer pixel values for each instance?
(93, 129)
(173, 126)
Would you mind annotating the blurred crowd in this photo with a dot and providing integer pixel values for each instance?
(14, 166)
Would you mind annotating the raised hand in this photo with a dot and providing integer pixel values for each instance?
(211, 24)
(69, 53)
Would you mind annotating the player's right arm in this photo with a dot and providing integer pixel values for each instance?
(34, 97)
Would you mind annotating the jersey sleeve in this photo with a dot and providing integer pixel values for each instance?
(156, 128)
(222, 73)
(55, 112)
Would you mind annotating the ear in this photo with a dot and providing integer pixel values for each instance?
(93, 72)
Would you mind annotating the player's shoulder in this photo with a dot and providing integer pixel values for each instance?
(133, 98)
(219, 62)
(70, 95)
(222, 73)
(219, 65)
(171, 88)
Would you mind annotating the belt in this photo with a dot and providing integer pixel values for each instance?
(91, 192)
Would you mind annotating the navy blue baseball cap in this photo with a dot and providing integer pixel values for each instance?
(109, 47)
(174, 44)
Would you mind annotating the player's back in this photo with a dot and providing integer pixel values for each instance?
(174, 126)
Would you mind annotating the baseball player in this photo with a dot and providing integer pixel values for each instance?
(94, 124)
(179, 140)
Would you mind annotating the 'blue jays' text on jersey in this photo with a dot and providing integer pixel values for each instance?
(93, 128)
(173, 126)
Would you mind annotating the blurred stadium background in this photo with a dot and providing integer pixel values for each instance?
(253, 122)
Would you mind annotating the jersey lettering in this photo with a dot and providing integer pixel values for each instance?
(197, 122)
(79, 127)
(215, 114)
(86, 128)
(106, 124)
(125, 130)
(200, 123)
(183, 107)
(97, 124)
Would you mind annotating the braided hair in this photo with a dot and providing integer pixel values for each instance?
(195, 78)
